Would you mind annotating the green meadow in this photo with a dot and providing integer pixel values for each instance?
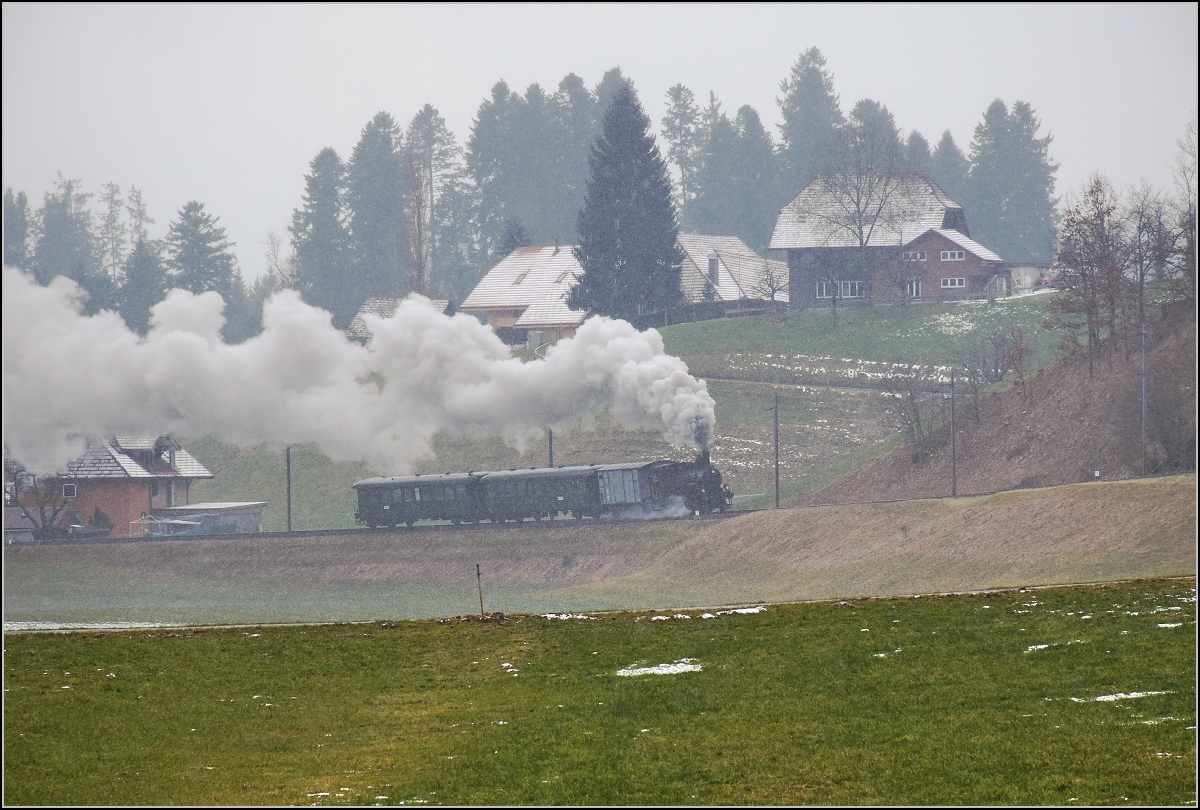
(1061, 696)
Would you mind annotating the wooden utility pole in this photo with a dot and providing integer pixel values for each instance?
(551, 434)
(776, 448)
(288, 454)
(479, 579)
(1143, 398)
(953, 443)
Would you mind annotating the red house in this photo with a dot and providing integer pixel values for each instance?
(115, 486)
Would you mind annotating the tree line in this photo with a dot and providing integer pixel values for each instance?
(413, 209)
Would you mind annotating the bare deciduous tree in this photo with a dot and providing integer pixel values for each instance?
(40, 500)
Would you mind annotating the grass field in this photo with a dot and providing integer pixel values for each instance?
(1081, 695)
(930, 333)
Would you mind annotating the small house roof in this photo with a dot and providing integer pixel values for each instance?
(741, 272)
(820, 214)
(968, 244)
(112, 459)
(534, 280)
(384, 308)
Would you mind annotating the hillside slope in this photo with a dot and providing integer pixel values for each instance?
(1084, 532)
(1062, 429)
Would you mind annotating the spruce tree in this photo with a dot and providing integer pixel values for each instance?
(811, 119)
(627, 228)
(321, 239)
(488, 160)
(679, 128)
(574, 116)
(1011, 185)
(16, 229)
(753, 197)
(113, 233)
(199, 254)
(145, 284)
(948, 166)
(67, 245)
(708, 212)
(376, 195)
(917, 156)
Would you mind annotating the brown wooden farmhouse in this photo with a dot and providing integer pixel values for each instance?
(870, 241)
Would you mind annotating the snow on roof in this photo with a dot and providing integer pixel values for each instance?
(534, 280)
(384, 308)
(969, 245)
(820, 216)
(109, 460)
(741, 272)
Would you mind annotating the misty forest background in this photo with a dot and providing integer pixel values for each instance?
(413, 209)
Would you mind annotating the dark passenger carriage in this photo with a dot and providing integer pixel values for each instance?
(645, 487)
(392, 500)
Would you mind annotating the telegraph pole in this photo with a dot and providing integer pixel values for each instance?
(776, 409)
(953, 443)
(1143, 398)
(288, 454)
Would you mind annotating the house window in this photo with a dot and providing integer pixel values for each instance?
(69, 490)
(844, 289)
(520, 277)
(914, 288)
(914, 256)
(561, 276)
(953, 282)
(953, 255)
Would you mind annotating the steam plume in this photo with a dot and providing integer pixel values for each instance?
(68, 377)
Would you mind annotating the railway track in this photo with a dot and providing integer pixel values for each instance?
(415, 529)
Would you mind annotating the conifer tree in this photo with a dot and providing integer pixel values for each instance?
(321, 240)
(811, 119)
(139, 216)
(436, 169)
(488, 161)
(376, 195)
(113, 236)
(917, 156)
(1011, 185)
(67, 246)
(948, 167)
(679, 128)
(199, 254)
(16, 229)
(145, 284)
(627, 228)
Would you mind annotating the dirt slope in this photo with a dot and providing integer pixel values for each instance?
(1062, 429)
(1083, 532)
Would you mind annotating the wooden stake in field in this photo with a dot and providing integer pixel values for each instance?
(479, 579)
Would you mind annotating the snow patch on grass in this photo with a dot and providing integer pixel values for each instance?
(682, 665)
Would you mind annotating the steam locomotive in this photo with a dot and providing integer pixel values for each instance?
(642, 489)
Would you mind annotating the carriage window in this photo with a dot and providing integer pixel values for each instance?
(416, 493)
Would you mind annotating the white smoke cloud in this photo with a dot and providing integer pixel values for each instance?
(68, 377)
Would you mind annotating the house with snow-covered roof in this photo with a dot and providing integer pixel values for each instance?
(726, 269)
(121, 486)
(384, 307)
(879, 240)
(524, 296)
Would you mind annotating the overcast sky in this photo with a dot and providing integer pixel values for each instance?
(228, 104)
